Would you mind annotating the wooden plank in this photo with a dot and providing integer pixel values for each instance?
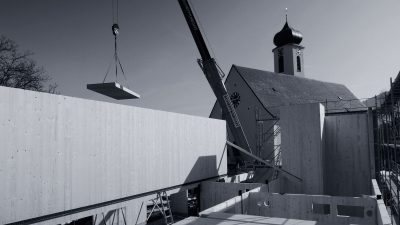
(284, 172)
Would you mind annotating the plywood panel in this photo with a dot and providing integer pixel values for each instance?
(347, 155)
(60, 153)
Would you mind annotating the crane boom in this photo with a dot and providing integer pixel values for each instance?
(217, 85)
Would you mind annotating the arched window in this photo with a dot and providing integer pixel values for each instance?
(298, 64)
(280, 63)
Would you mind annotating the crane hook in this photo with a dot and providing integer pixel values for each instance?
(115, 29)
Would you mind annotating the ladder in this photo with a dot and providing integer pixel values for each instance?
(165, 207)
(161, 202)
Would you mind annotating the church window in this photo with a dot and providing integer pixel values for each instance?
(280, 62)
(298, 64)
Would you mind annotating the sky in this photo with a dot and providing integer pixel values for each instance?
(351, 42)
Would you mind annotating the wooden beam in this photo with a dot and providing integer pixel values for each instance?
(286, 173)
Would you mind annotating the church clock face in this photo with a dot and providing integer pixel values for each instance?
(235, 98)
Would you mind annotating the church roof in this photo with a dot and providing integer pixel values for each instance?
(274, 90)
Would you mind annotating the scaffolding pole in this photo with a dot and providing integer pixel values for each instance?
(386, 131)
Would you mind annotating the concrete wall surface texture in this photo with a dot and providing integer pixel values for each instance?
(324, 209)
(133, 212)
(382, 213)
(59, 153)
(236, 205)
(302, 147)
(319, 208)
(213, 193)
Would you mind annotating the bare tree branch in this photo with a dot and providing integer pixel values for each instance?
(18, 70)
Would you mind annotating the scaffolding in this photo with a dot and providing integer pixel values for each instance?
(268, 134)
(268, 138)
(387, 145)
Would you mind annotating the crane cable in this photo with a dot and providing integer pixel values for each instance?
(115, 30)
(114, 11)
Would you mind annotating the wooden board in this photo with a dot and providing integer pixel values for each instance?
(113, 90)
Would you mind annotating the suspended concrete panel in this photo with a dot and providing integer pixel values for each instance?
(60, 153)
(113, 90)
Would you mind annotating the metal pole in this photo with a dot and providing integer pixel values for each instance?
(393, 134)
(385, 147)
(377, 144)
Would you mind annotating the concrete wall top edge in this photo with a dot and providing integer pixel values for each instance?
(20, 91)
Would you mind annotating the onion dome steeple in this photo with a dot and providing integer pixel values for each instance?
(287, 35)
(288, 53)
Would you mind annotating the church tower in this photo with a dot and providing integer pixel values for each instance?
(288, 54)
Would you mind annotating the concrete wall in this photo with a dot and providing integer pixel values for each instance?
(134, 212)
(213, 193)
(347, 159)
(319, 208)
(324, 209)
(179, 203)
(59, 153)
(382, 213)
(302, 148)
(234, 205)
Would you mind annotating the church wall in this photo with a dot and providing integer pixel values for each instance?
(288, 59)
(247, 109)
(294, 50)
(289, 53)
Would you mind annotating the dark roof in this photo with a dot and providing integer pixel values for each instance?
(287, 35)
(274, 90)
